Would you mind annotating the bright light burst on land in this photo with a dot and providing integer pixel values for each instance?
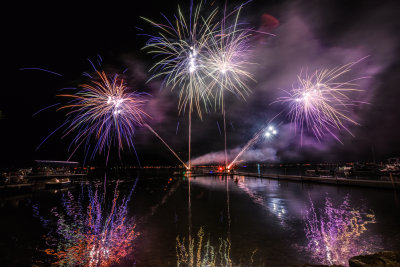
(104, 110)
(322, 103)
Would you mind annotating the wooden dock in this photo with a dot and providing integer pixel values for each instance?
(328, 180)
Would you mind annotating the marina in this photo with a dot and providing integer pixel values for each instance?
(259, 133)
(233, 208)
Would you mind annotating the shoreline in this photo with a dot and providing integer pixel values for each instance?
(377, 184)
(394, 185)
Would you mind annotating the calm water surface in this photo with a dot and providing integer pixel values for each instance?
(240, 219)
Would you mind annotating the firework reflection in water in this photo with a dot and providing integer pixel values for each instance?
(335, 233)
(99, 234)
(200, 251)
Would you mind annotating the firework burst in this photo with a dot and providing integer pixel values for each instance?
(181, 49)
(202, 57)
(226, 63)
(104, 110)
(106, 113)
(322, 103)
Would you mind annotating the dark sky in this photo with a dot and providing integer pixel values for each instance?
(311, 34)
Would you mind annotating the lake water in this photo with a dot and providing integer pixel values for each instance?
(234, 221)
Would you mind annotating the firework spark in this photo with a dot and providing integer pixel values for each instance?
(104, 110)
(322, 103)
(165, 143)
(268, 131)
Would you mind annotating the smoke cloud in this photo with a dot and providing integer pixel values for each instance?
(252, 155)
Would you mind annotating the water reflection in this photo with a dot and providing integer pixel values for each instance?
(335, 233)
(199, 252)
(90, 230)
(202, 251)
(273, 204)
(218, 221)
(330, 229)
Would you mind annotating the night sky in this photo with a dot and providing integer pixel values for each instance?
(311, 34)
